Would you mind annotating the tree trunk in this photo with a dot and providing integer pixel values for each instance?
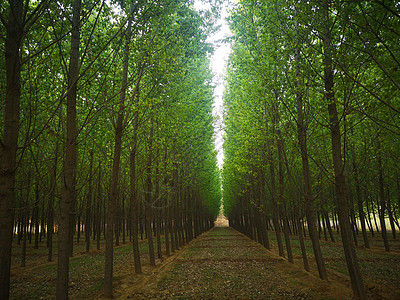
(117, 217)
(35, 214)
(9, 141)
(50, 209)
(24, 236)
(301, 239)
(374, 215)
(369, 221)
(98, 210)
(134, 202)
(148, 204)
(42, 223)
(25, 220)
(123, 220)
(308, 194)
(275, 210)
(391, 218)
(108, 276)
(166, 211)
(328, 225)
(382, 197)
(88, 211)
(360, 203)
(264, 229)
(158, 210)
(68, 194)
(281, 197)
(340, 180)
(78, 224)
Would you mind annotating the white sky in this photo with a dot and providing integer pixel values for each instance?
(218, 66)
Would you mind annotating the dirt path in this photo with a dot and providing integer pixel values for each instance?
(224, 264)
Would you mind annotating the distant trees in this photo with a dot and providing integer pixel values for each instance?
(312, 86)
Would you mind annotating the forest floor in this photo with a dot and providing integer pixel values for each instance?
(220, 264)
(224, 264)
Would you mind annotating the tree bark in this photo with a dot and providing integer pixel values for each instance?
(308, 194)
(134, 200)
(134, 203)
(108, 276)
(98, 209)
(382, 196)
(50, 208)
(340, 180)
(275, 210)
(166, 210)
(264, 229)
(88, 211)
(35, 214)
(148, 204)
(158, 211)
(9, 141)
(360, 203)
(68, 194)
(282, 202)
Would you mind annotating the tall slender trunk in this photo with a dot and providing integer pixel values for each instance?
(301, 238)
(123, 219)
(275, 210)
(148, 204)
(78, 225)
(158, 210)
(117, 217)
(9, 140)
(382, 196)
(50, 208)
(369, 222)
(108, 276)
(282, 202)
(134, 203)
(264, 229)
(175, 208)
(374, 215)
(166, 210)
(328, 226)
(24, 236)
(353, 220)
(308, 194)
(360, 203)
(170, 223)
(25, 220)
(68, 194)
(42, 223)
(98, 208)
(391, 217)
(35, 214)
(340, 180)
(88, 210)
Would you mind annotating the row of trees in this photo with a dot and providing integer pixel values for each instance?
(107, 110)
(312, 123)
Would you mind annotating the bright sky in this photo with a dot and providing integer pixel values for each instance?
(218, 65)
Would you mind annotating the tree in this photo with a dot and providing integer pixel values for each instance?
(17, 23)
(337, 159)
(68, 194)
